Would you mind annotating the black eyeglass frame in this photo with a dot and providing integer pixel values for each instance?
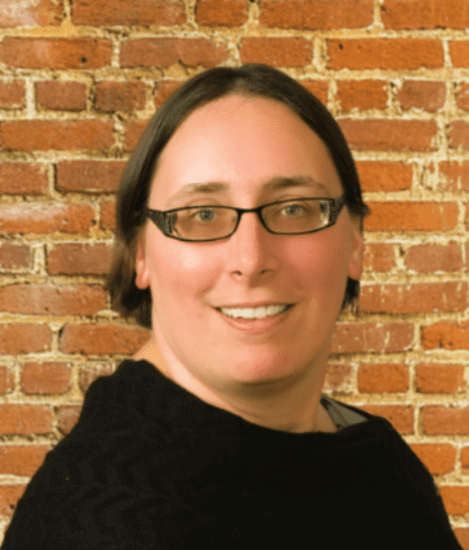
(161, 217)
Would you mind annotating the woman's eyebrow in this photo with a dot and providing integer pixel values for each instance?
(273, 184)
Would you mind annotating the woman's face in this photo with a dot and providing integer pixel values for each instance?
(243, 143)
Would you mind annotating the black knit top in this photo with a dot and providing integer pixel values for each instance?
(151, 466)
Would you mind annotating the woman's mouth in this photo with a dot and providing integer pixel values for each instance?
(259, 312)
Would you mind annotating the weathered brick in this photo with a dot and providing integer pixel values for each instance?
(379, 257)
(61, 96)
(22, 460)
(396, 299)
(316, 14)
(372, 337)
(36, 299)
(29, 14)
(42, 135)
(12, 93)
(45, 378)
(383, 378)
(67, 417)
(318, 88)
(46, 217)
(102, 339)
(83, 259)
(444, 420)
(89, 176)
(55, 53)
(411, 216)
(108, 215)
(164, 52)
(14, 256)
(25, 419)
(128, 13)
(7, 381)
(459, 51)
(90, 373)
(431, 258)
(338, 377)
(384, 175)
(384, 53)
(425, 14)
(361, 94)
(462, 96)
(133, 131)
(21, 178)
(120, 96)
(390, 135)
(16, 338)
(459, 135)
(278, 52)
(221, 13)
(439, 378)
(400, 416)
(439, 458)
(455, 500)
(164, 89)
(446, 335)
(418, 94)
(9, 496)
(455, 175)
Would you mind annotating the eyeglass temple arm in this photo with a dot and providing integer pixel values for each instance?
(336, 207)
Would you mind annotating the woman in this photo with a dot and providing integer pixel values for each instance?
(238, 243)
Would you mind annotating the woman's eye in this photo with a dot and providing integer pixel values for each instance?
(293, 209)
(205, 215)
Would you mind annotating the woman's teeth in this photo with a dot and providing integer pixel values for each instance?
(253, 312)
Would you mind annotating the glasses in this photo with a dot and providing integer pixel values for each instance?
(212, 223)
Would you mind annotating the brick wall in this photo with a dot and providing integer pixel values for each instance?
(79, 80)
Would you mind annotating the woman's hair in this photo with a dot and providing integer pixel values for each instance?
(134, 190)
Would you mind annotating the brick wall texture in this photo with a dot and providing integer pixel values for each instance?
(78, 82)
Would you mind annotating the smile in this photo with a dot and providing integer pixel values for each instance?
(254, 312)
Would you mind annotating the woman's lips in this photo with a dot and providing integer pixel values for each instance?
(256, 325)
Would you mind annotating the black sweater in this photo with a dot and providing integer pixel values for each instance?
(151, 466)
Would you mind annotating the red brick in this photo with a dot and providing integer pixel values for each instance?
(35, 299)
(372, 337)
(79, 259)
(164, 52)
(22, 460)
(221, 13)
(7, 381)
(461, 533)
(164, 89)
(467, 217)
(439, 378)
(61, 96)
(400, 416)
(455, 175)
(133, 132)
(43, 135)
(45, 378)
(462, 96)
(12, 93)
(362, 94)
(443, 420)
(439, 458)
(14, 256)
(413, 298)
(19, 338)
(108, 215)
(411, 216)
(21, 178)
(120, 96)
(383, 378)
(459, 51)
(418, 94)
(278, 52)
(446, 335)
(55, 53)
(455, 500)
(384, 53)
(9, 497)
(25, 419)
(318, 88)
(40, 13)
(67, 417)
(379, 257)
(46, 217)
(425, 14)
(384, 175)
(390, 135)
(102, 339)
(128, 13)
(431, 258)
(89, 176)
(316, 14)
(338, 377)
(91, 372)
(459, 135)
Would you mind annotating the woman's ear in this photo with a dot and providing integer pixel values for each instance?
(355, 267)
(142, 278)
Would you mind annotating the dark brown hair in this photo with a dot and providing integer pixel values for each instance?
(134, 190)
